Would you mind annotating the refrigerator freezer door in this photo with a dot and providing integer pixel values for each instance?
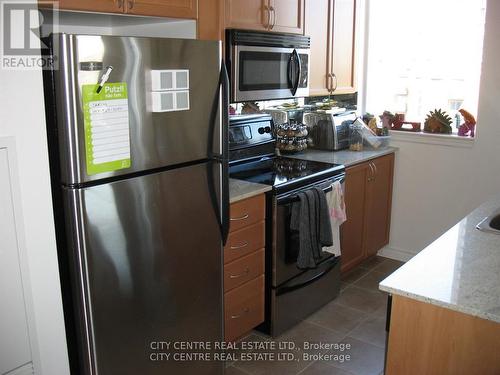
(137, 68)
(147, 255)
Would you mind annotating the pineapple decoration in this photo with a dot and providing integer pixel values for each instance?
(438, 121)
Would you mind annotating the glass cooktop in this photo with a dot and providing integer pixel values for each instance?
(284, 173)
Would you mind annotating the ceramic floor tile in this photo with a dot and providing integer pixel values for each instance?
(371, 280)
(321, 368)
(388, 266)
(361, 299)
(372, 262)
(365, 359)
(337, 317)
(371, 330)
(303, 332)
(354, 275)
(231, 370)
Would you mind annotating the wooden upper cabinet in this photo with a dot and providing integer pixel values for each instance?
(247, 14)
(344, 46)
(378, 212)
(107, 6)
(317, 27)
(158, 8)
(331, 24)
(287, 16)
(163, 8)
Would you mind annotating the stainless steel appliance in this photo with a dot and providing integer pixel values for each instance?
(291, 293)
(137, 140)
(267, 65)
(329, 131)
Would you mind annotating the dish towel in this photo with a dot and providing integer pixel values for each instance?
(310, 217)
(336, 206)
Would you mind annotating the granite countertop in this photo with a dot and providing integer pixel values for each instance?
(239, 190)
(459, 271)
(345, 157)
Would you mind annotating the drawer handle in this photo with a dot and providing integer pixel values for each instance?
(246, 310)
(247, 270)
(244, 244)
(240, 218)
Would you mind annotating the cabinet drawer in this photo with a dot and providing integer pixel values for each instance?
(246, 212)
(244, 241)
(244, 269)
(244, 308)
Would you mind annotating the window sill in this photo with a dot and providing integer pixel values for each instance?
(450, 140)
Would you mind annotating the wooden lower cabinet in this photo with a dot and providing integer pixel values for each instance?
(433, 340)
(368, 197)
(244, 308)
(244, 267)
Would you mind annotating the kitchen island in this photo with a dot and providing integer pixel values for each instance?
(445, 316)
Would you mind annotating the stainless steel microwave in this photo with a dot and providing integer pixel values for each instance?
(267, 65)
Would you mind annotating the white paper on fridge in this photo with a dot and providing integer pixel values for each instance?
(107, 128)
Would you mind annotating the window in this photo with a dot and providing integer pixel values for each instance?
(424, 55)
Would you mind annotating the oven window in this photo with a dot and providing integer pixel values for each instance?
(263, 70)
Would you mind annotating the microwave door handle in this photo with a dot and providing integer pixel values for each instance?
(290, 72)
(298, 71)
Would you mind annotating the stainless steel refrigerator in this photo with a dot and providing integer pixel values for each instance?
(137, 141)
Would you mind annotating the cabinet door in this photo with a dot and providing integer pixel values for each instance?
(287, 16)
(352, 231)
(317, 19)
(247, 14)
(108, 6)
(378, 212)
(343, 45)
(14, 336)
(163, 8)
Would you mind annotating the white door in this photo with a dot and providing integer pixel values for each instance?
(15, 350)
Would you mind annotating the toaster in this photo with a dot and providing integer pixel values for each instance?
(328, 131)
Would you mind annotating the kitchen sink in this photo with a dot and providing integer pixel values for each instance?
(490, 224)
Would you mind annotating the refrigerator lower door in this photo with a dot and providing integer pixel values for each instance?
(147, 258)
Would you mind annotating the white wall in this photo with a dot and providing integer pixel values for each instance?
(22, 116)
(436, 185)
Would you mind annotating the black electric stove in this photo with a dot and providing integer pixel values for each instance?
(253, 157)
(283, 173)
(291, 293)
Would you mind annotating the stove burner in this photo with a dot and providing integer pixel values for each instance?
(283, 173)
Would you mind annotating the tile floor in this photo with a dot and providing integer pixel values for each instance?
(356, 316)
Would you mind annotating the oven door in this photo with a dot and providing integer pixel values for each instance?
(287, 241)
(261, 73)
(303, 295)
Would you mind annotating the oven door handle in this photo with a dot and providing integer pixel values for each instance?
(292, 197)
(298, 71)
(290, 288)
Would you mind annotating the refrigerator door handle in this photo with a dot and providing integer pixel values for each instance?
(222, 212)
(225, 153)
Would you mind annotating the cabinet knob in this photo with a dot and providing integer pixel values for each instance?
(119, 4)
(131, 4)
(268, 10)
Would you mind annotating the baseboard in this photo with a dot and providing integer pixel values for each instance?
(397, 254)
